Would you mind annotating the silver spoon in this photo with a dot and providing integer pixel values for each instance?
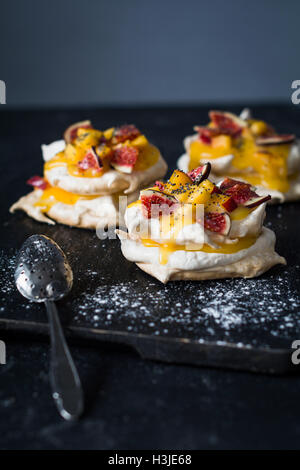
(43, 274)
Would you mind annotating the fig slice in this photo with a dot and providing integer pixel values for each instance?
(166, 198)
(256, 201)
(71, 132)
(216, 190)
(227, 123)
(230, 204)
(124, 159)
(165, 203)
(229, 182)
(38, 182)
(217, 222)
(275, 139)
(241, 193)
(200, 174)
(206, 133)
(91, 161)
(126, 132)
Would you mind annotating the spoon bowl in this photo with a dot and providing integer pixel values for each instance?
(42, 270)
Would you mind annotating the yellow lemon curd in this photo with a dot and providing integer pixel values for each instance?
(87, 138)
(52, 195)
(259, 165)
(166, 249)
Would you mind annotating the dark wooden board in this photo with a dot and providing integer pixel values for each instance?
(235, 323)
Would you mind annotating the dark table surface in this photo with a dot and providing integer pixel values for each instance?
(132, 403)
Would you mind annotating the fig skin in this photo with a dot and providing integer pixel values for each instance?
(276, 139)
(256, 201)
(201, 173)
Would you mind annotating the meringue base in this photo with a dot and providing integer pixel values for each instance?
(254, 267)
(100, 212)
(252, 264)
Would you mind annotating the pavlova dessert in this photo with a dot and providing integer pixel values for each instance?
(86, 173)
(191, 228)
(249, 150)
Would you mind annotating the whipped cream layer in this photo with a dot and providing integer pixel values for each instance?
(141, 227)
(184, 260)
(110, 182)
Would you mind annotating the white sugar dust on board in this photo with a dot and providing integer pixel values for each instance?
(7, 266)
(227, 310)
(11, 301)
(7, 284)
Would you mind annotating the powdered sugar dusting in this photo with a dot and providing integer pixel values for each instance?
(248, 311)
(11, 301)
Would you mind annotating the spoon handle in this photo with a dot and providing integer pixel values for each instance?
(65, 381)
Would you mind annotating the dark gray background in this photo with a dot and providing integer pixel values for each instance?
(64, 52)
